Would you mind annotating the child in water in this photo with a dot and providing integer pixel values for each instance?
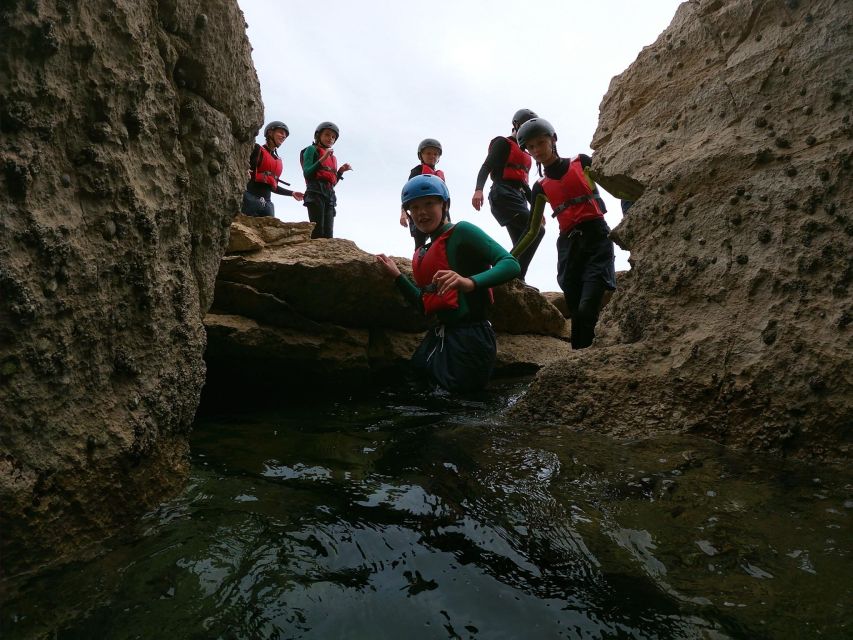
(453, 276)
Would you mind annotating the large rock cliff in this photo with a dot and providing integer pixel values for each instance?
(291, 313)
(734, 320)
(124, 131)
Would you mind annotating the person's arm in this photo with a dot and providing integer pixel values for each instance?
(504, 266)
(586, 163)
(253, 159)
(310, 162)
(536, 219)
(493, 164)
(411, 293)
(404, 218)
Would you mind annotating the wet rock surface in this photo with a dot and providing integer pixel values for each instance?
(291, 309)
(733, 322)
(111, 232)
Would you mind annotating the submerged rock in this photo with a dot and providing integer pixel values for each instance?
(684, 344)
(291, 309)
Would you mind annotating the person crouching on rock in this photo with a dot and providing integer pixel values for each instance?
(429, 153)
(585, 258)
(265, 169)
(453, 274)
(320, 168)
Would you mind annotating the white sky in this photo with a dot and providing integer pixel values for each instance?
(392, 73)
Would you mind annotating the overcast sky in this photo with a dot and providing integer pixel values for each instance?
(392, 73)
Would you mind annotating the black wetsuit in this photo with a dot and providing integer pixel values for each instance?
(585, 264)
(509, 199)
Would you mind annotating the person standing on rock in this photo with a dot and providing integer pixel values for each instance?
(265, 169)
(320, 168)
(453, 274)
(509, 197)
(585, 257)
(429, 153)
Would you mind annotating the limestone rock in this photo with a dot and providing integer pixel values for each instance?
(331, 295)
(112, 228)
(734, 320)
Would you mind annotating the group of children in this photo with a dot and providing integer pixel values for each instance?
(319, 166)
(455, 266)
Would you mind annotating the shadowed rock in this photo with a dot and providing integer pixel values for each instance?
(124, 137)
(738, 298)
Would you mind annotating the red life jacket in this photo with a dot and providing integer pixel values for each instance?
(427, 261)
(428, 170)
(517, 164)
(268, 168)
(328, 170)
(571, 197)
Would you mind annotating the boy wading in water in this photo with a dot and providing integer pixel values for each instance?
(453, 274)
(320, 168)
(585, 258)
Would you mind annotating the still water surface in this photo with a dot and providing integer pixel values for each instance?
(419, 516)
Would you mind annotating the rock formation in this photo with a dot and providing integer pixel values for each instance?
(124, 133)
(290, 312)
(734, 320)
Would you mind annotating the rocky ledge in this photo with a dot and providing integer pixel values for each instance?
(733, 322)
(289, 311)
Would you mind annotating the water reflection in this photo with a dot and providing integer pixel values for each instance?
(424, 517)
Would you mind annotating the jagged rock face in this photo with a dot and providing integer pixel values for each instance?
(734, 320)
(291, 309)
(124, 134)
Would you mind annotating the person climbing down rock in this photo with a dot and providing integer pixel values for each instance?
(320, 168)
(509, 196)
(585, 257)
(453, 274)
(265, 168)
(429, 153)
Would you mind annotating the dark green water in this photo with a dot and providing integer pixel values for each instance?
(412, 516)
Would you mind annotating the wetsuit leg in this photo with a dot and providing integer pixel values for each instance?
(517, 228)
(587, 304)
(585, 271)
(329, 221)
(459, 359)
(254, 206)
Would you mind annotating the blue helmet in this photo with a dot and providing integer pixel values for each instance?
(424, 185)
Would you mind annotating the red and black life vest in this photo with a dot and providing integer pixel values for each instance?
(328, 169)
(427, 261)
(518, 163)
(268, 168)
(427, 170)
(572, 197)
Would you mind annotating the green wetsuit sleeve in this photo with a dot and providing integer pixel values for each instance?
(533, 229)
(504, 266)
(410, 292)
(310, 162)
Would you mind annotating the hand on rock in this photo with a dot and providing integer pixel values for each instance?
(388, 265)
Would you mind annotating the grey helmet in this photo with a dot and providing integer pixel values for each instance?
(521, 116)
(532, 128)
(327, 125)
(272, 126)
(429, 142)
